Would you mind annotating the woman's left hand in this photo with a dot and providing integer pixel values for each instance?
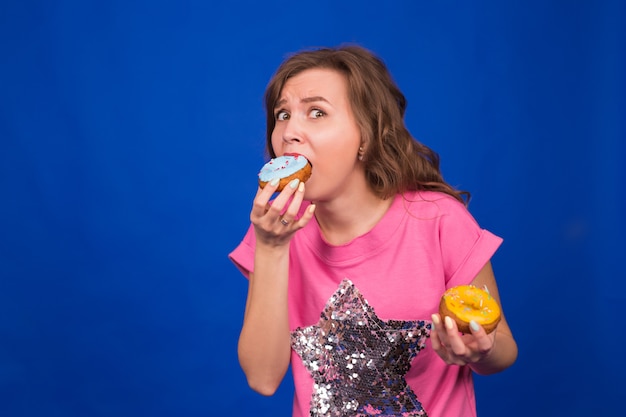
(456, 348)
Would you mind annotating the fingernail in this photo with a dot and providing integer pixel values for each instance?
(301, 187)
(274, 182)
(474, 326)
(448, 321)
(436, 321)
(294, 183)
(311, 208)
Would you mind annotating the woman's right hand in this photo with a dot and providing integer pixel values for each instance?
(276, 223)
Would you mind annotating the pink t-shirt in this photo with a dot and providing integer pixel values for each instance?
(372, 298)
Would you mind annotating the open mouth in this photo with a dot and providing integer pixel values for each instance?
(296, 155)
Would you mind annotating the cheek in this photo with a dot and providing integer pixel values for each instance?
(336, 168)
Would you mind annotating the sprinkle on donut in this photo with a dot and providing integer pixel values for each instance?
(465, 303)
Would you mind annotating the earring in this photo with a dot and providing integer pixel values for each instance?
(361, 153)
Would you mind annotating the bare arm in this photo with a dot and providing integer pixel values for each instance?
(264, 347)
(264, 343)
(484, 353)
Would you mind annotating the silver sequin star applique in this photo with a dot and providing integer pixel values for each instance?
(358, 361)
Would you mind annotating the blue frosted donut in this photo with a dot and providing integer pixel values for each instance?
(286, 168)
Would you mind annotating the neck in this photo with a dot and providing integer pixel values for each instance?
(343, 220)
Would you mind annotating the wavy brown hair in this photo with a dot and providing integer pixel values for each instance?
(394, 161)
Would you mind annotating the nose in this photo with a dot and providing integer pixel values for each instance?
(292, 131)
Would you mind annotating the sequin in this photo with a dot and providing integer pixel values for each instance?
(358, 362)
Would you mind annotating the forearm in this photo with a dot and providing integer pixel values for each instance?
(264, 346)
(504, 351)
(502, 355)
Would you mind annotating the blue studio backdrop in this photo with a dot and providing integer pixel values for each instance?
(131, 133)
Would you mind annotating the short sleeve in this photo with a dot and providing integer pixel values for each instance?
(243, 255)
(465, 246)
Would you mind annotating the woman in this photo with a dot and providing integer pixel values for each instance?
(346, 272)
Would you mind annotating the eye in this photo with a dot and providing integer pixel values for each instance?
(282, 115)
(317, 113)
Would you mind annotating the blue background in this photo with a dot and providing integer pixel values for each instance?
(131, 133)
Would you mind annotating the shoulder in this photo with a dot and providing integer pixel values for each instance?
(432, 204)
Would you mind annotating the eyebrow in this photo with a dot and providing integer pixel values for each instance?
(304, 100)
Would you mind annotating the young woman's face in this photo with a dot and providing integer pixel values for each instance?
(314, 118)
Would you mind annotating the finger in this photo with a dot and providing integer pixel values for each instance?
(455, 341)
(434, 333)
(438, 341)
(484, 342)
(439, 338)
(307, 216)
(294, 208)
(278, 205)
(270, 213)
(261, 205)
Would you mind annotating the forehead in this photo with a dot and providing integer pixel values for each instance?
(324, 82)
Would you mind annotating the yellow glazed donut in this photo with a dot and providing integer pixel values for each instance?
(464, 303)
(286, 168)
